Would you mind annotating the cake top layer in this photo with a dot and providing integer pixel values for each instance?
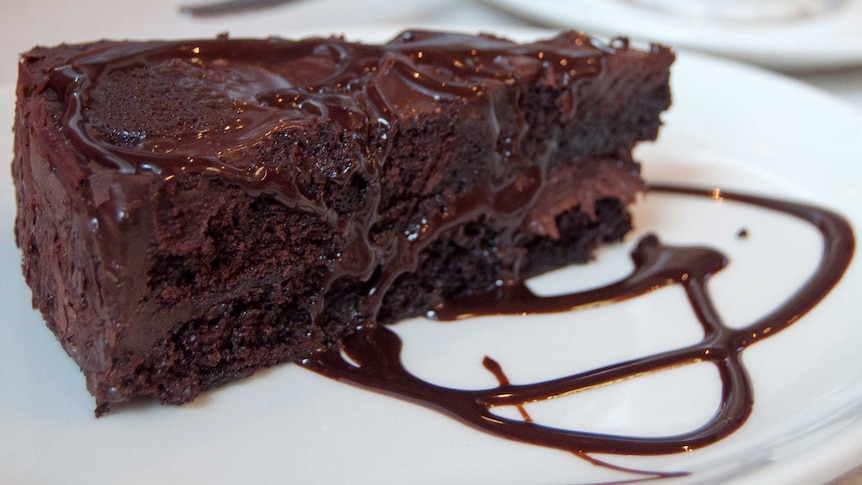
(206, 99)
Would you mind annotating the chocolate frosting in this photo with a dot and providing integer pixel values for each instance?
(273, 84)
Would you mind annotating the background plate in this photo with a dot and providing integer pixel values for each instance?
(830, 40)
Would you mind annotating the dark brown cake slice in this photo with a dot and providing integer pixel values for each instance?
(192, 211)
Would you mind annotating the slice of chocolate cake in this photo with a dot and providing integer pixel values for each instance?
(192, 211)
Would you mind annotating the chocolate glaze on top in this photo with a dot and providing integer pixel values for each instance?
(359, 86)
(376, 364)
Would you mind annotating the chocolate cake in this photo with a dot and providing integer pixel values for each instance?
(191, 211)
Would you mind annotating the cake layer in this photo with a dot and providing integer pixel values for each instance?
(191, 211)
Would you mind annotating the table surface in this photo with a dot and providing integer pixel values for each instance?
(49, 22)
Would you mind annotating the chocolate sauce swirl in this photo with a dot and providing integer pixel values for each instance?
(376, 364)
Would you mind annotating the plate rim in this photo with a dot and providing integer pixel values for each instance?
(740, 42)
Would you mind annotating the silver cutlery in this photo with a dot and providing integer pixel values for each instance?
(229, 7)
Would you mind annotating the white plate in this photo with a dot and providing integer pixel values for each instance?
(731, 126)
(831, 40)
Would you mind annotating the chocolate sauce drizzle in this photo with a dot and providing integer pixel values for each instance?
(375, 352)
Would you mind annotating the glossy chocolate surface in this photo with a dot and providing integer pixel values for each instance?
(274, 84)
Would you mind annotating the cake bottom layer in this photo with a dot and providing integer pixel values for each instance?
(258, 328)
